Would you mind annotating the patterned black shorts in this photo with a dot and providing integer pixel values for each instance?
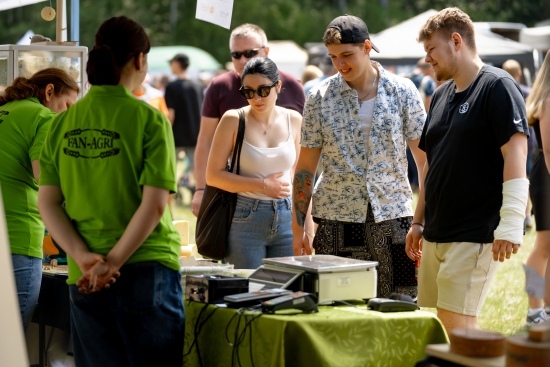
(383, 242)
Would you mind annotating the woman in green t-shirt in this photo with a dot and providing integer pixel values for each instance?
(27, 108)
(108, 167)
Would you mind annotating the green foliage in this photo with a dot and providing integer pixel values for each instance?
(506, 306)
(172, 22)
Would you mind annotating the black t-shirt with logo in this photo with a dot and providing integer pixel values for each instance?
(462, 138)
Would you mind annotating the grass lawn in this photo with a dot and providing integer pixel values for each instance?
(506, 306)
(504, 310)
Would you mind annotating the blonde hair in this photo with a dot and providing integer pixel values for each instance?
(332, 36)
(512, 67)
(540, 92)
(249, 30)
(447, 22)
(311, 72)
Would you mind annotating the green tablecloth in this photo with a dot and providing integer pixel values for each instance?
(336, 336)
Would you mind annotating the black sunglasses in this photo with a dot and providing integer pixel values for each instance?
(248, 53)
(263, 92)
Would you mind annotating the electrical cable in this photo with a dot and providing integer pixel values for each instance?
(240, 335)
(197, 329)
(235, 350)
(200, 328)
(227, 329)
(250, 333)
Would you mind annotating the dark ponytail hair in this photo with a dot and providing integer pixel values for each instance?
(261, 65)
(117, 41)
(35, 86)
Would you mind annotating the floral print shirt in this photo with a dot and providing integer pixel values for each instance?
(352, 176)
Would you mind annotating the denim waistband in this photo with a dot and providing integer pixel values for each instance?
(257, 203)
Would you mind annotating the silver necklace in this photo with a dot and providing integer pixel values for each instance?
(265, 130)
(361, 100)
(268, 125)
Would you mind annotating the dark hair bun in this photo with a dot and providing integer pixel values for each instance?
(101, 67)
(117, 41)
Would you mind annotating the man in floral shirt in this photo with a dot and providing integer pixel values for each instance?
(359, 123)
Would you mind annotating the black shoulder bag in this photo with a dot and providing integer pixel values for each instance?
(217, 208)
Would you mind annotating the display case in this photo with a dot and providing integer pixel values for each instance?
(25, 60)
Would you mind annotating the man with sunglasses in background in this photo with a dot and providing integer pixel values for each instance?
(246, 41)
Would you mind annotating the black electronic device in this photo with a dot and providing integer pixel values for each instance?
(265, 278)
(253, 298)
(213, 288)
(402, 297)
(307, 302)
(390, 305)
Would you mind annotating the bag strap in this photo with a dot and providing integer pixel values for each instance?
(236, 159)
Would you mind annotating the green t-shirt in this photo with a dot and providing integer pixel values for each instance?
(23, 127)
(101, 152)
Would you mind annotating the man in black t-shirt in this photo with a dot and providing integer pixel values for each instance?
(184, 99)
(470, 212)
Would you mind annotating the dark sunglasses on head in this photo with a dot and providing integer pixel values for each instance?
(248, 53)
(263, 92)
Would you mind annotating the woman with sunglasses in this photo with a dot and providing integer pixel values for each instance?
(261, 224)
(27, 108)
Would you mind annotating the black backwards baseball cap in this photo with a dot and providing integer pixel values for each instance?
(352, 29)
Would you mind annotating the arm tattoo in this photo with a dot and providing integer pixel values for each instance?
(301, 195)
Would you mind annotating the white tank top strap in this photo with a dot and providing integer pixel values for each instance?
(289, 123)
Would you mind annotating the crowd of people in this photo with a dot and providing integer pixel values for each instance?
(323, 169)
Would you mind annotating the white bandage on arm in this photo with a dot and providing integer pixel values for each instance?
(512, 213)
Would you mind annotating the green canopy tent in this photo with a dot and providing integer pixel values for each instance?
(199, 60)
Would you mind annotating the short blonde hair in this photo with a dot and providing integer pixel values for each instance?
(512, 67)
(311, 72)
(249, 30)
(447, 22)
(332, 36)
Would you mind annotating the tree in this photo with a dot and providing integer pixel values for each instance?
(172, 22)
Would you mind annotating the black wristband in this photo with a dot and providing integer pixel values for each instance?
(419, 224)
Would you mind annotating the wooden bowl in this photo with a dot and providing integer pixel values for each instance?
(477, 343)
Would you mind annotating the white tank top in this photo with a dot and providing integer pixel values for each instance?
(262, 162)
(366, 111)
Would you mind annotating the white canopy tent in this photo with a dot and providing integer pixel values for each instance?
(537, 37)
(398, 44)
(26, 39)
(288, 56)
(10, 4)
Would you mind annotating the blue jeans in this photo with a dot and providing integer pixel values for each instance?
(260, 229)
(139, 321)
(28, 276)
